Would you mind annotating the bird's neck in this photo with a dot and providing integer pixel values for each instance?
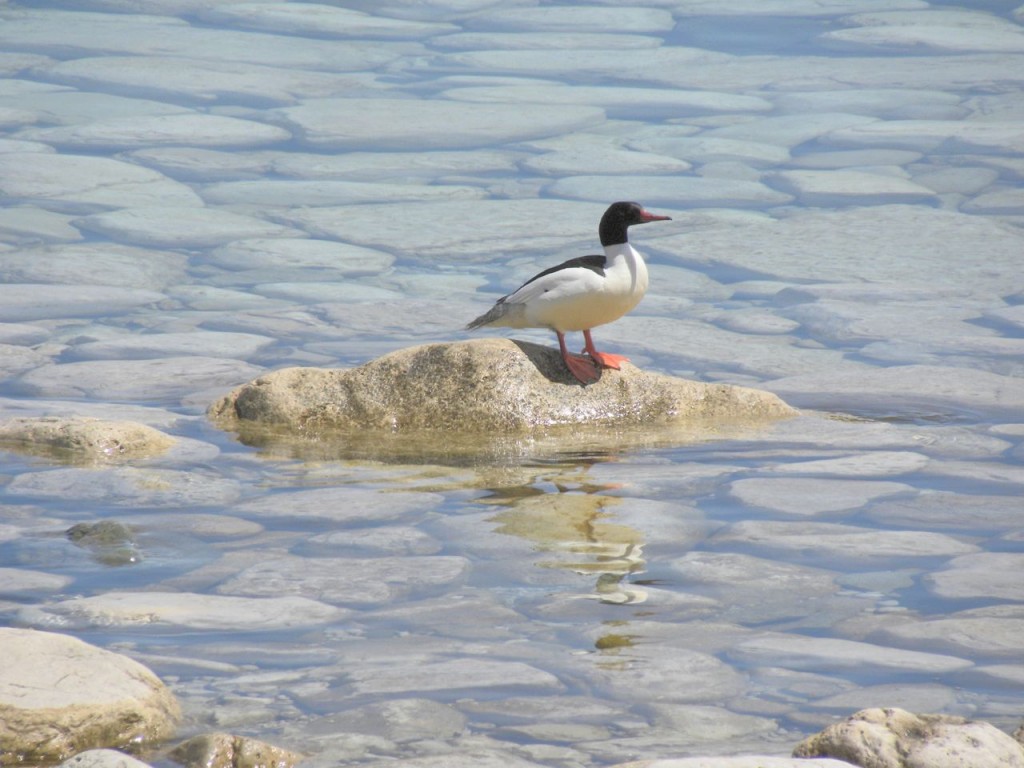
(622, 252)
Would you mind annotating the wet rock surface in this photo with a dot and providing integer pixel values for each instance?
(60, 696)
(488, 386)
(84, 439)
(895, 738)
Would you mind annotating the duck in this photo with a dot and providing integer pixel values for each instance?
(582, 293)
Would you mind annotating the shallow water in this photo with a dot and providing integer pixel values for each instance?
(213, 190)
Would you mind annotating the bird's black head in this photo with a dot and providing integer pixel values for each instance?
(621, 216)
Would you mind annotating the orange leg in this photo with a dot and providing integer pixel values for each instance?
(603, 359)
(579, 366)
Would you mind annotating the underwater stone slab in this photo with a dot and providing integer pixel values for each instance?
(952, 31)
(402, 166)
(836, 188)
(71, 35)
(658, 66)
(868, 464)
(80, 183)
(812, 496)
(199, 164)
(906, 388)
(147, 131)
(457, 675)
(727, 570)
(16, 580)
(839, 542)
(434, 229)
(21, 222)
(625, 103)
(956, 511)
(887, 103)
(66, 106)
(23, 334)
(184, 610)
(82, 264)
(789, 130)
(572, 19)
(840, 656)
(160, 379)
(103, 758)
(346, 581)
(289, 193)
(598, 154)
(39, 407)
(214, 344)
(982, 575)
(679, 674)
(1003, 202)
(959, 180)
(258, 253)
(40, 301)
(705, 149)
(128, 487)
(933, 136)
(784, 8)
(895, 245)
(417, 124)
(348, 505)
(317, 20)
(561, 41)
(854, 158)
(60, 696)
(16, 359)
(377, 541)
(967, 633)
(164, 227)
(671, 191)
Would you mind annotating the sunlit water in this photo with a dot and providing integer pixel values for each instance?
(846, 205)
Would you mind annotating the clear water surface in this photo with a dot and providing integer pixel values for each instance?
(213, 189)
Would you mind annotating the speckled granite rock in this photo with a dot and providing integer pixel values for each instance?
(84, 439)
(482, 386)
(895, 738)
(223, 750)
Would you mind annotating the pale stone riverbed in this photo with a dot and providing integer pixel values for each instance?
(215, 189)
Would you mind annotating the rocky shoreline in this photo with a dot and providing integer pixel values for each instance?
(65, 702)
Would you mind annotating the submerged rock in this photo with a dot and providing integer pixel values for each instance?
(489, 386)
(223, 750)
(112, 543)
(895, 738)
(59, 696)
(84, 439)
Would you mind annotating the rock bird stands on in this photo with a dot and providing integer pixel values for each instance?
(582, 293)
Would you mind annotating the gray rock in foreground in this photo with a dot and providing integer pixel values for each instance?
(486, 386)
(60, 696)
(895, 738)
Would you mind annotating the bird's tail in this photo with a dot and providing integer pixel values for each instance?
(492, 316)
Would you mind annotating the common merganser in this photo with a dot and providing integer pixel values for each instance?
(582, 293)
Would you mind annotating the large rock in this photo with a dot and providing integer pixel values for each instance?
(486, 386)
(895, 738)
(60, 696)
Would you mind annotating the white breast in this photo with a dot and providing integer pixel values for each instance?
(578, 299)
